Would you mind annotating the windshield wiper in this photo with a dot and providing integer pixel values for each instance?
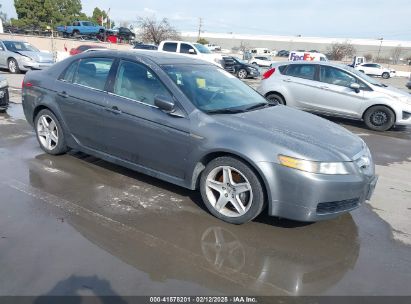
(259, 106)
(225, 111)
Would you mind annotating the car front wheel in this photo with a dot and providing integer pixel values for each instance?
(231, 190)
(242, 74)
(13, 66)
(49, 133)
(379, 118)
(385, 75)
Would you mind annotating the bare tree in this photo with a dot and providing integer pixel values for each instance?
(152, 30)
(339, 51)
(395, 54)
(368, 57)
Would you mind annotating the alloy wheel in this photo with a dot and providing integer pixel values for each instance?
(47, 132)
(12, 66)
(229, 191)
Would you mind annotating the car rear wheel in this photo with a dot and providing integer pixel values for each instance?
(379, 118)
(276, 98)
(242, 74)
(231, 190)
(49, 133)
(13, 66)
(385, 75)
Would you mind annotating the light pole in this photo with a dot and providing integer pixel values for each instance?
(379, 49)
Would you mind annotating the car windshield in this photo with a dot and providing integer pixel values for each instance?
(213, 90)
(201, 48)
(364, 77)
(19, 46)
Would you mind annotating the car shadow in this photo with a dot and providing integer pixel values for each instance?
(193, 195)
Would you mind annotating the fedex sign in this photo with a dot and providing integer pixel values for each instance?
(295, 56)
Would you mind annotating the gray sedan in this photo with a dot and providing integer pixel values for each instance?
(195, 125)
(20, 56)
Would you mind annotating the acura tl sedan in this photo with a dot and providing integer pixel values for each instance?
(19, 56)
(192, 124)
(337, 90)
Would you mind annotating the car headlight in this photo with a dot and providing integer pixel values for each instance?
(313, 166)
(3, 83)
(27, 59)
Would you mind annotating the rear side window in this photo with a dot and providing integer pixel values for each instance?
(68, 74)
(170, 47)
(93, 72)
(282, 68)
(135, 81)
(306, 71)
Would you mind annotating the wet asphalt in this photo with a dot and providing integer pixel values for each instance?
(75, 224)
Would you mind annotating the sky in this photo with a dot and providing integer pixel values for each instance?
(315, 18)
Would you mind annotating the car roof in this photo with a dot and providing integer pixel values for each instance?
(157, 57)
(325, 63)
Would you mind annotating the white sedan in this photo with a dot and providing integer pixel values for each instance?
(375, 69)
(263, 61)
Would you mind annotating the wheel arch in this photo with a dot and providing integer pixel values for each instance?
(382, 105)
(202, 163)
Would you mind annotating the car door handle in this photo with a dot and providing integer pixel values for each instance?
(114, 110)
(324, 88)
(287, 80)
(63, 94)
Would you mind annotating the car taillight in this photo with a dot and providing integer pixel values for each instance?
(268, 73)
(26, 84)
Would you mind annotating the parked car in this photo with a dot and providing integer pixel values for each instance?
(190, 49)
(84, 47)
(408, 85)
(142, 46)
(4, 93)
(240, 68)
(336, 90)
(375, 69)
(80, 28)
(20, 56)
(123, 33)
(263, 61)
(195, 125)
(283, 53)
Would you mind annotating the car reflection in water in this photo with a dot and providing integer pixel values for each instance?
(174, 239)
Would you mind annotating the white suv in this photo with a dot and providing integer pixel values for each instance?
(375, 69)
(336, 90)
(263, 61)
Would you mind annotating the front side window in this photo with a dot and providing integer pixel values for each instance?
(135, 81)
(185, 48)
(306, 71)
(214, 90)
(93, 72)
(170, 47)
(336, 76)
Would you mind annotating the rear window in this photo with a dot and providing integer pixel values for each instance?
(170, 47)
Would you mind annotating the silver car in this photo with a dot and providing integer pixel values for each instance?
(20, 56)
(336, 90)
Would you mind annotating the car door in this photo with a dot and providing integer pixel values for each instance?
(3, 55)
(335, 96)
(140, 132)
(299, 81)
(83, 100)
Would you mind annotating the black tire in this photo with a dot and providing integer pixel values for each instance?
(379, 118)
(76, 33)
(255, 63)
(13, 66)
(276, 98)
(242, 73)
(257, 200)
(385, 75)
(60, 147)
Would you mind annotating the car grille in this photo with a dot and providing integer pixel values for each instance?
(4, 100)
(338, 206)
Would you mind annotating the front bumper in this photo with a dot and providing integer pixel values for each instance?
(309, 197)
(25, 65)
(4, 98)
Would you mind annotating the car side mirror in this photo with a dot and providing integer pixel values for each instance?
(164, 103)
(191, 51)
(355, 87)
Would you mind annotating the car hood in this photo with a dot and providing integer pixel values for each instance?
(306, 135)
(395, 93)
(38, 56)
